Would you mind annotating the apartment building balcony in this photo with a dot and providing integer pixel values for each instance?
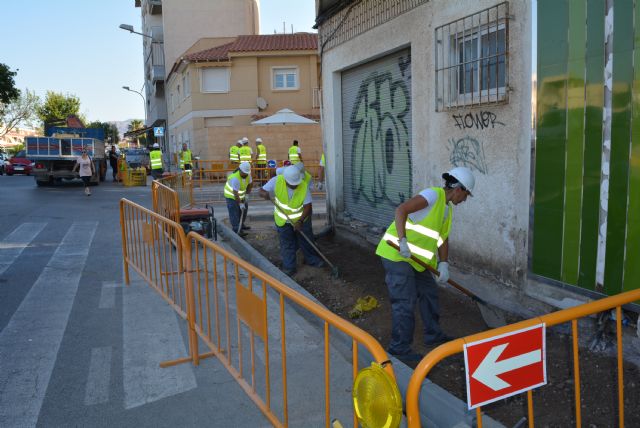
(154, 7)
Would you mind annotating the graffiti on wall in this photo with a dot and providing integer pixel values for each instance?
(469, 152)
(381, 151)
(480, 120)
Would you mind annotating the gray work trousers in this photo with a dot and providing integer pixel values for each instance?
(407, 287)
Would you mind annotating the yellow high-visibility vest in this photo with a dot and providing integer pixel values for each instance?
(424, 238)
(185, 158)
(242, 191)
(262, 154)
(293, 154)
(244, 153)
(155, 158)
(291, 207)
(233, 153)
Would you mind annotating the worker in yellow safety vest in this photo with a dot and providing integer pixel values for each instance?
(236, 189)
(185, 159)
(295, 154)
(290, 191)
(261, 159)
(234, 157)
(155, 159)
(421, 229)
(320, 183)
(244, 152)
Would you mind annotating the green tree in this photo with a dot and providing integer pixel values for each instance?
(57, 107)
(111, 133)
(135, 124)
(8, 90)
(21, 111)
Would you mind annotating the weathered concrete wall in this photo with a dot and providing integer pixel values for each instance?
(490, 230)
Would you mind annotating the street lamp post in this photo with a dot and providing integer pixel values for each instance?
(144, 102)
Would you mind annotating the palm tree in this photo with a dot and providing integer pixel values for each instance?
(134, 125)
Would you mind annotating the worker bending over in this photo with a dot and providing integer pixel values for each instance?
(421, 228)
(236, 189)
(290, 192)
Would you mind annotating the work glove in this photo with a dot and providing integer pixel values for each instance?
(404, 248)
(443, 268)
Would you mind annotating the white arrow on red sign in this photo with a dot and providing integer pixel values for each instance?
(490, 368)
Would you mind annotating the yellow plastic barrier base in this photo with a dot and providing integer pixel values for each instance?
(135, 177)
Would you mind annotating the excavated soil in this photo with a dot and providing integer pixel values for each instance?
(361, 274)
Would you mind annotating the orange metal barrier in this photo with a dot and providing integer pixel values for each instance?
(181, 183)
(165, 201)
(154, 246)
(567, 315)
(228, 302)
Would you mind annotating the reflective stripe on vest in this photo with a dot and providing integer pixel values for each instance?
(155, 158)
(244, 182)
(244, 153)
(262, 154)
(233, 153)
(424, 238)
(291, 207)
(293, 154)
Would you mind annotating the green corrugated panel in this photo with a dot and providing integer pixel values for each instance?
(575, 142)
(553, 18)
(620, 137)
(632, 256)
(594, 98)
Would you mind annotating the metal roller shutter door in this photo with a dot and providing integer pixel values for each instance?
(376, 136)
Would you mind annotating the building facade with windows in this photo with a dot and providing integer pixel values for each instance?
(413, 88)
(220, 85)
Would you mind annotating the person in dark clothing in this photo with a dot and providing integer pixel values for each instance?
(113, 161)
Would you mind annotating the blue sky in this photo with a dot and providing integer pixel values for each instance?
(76, 47)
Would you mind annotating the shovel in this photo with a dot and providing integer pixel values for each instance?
(334, 269)
(492, 316)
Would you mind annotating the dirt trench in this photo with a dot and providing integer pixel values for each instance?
(361, 274)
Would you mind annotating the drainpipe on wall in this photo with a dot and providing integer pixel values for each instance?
(606, 146)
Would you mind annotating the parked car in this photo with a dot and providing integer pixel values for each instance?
(137, 158)
(19, 164)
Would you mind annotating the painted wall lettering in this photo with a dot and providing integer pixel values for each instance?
(469, 152)
(381, 153)
(480, 120)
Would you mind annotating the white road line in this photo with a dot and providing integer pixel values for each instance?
(99, 378)
(151, 334)
(107, 296)
(29, 344)
(16, 242)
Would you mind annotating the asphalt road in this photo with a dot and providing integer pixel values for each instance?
(76, 347)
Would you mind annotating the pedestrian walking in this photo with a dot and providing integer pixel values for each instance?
(291, 195)
(155, 159)
(421, 228)
(295, 154)
(113, 161)
(238, 186)
(84, 165)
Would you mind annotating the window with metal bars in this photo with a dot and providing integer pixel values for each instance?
(472, 59)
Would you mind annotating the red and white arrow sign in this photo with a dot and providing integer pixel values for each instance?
(505, 365)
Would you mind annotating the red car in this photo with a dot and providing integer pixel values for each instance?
(19, 164)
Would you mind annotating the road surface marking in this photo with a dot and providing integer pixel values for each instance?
(29, 344)
(107, 295)
(13, 245)
(151, 334)
(99, 378)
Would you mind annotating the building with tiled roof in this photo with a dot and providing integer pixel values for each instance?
(220, 85)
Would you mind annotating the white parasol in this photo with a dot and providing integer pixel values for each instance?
(284, 117)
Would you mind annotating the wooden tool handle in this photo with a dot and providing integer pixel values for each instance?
(435, 272)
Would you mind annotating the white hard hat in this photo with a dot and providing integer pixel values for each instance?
(292, 175)
(156, 145)
(464, 177)
(245, 140)
(258, 140)
(280, 170)
(239, 142)
(245, 167)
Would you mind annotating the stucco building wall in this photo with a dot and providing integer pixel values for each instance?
(490, 230)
